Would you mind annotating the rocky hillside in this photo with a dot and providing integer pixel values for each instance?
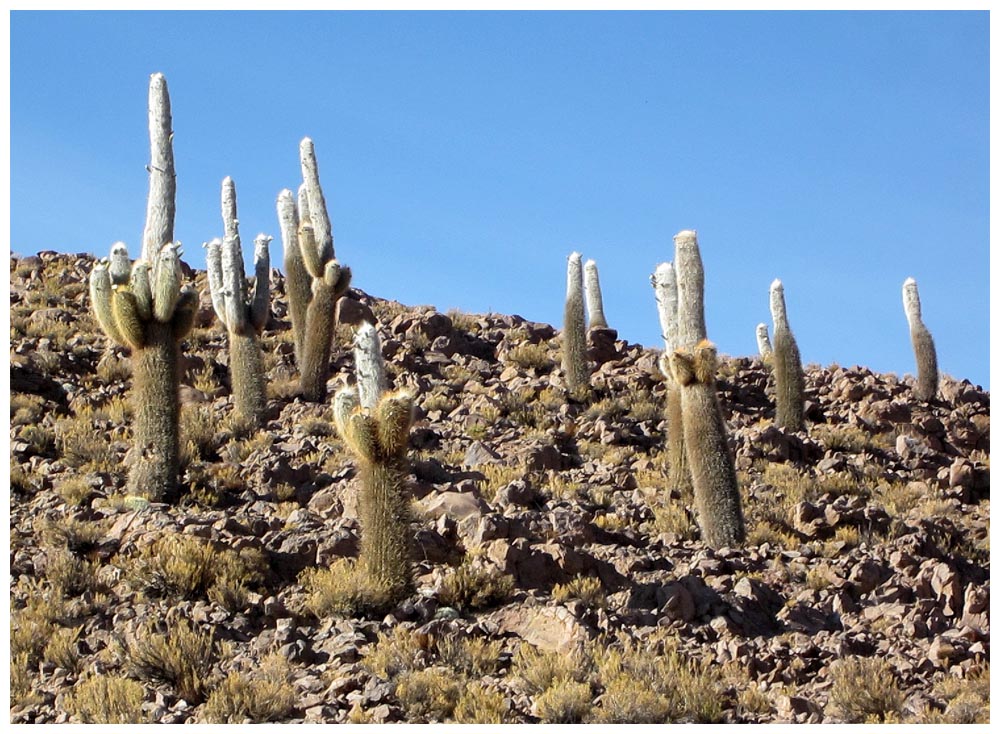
(557, 581)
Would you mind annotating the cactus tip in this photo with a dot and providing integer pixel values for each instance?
(776, 285)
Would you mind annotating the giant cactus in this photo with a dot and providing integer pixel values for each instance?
(664, 282)
(576, 367)
(243, 314)
(314, 276)
(143, 307)
(923, 344)
(693, 365)
(789, 381)
(375, 425)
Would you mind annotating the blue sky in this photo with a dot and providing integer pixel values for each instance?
(465, 155)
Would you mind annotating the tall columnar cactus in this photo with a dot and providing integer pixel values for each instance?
(763, 342)
(314, 276)
(664, 282)
(595, 304)
(243, 314)
(717, 495)
(375, 425)
(789, 382)
(143, 307)
(923, 344)
(575, 364)
(693, 364)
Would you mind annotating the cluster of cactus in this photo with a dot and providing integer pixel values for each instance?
(923, 344)
(583, 289)
(692, 364)
(315, 278)
(375, 425)
(142, 306)
(243, 315)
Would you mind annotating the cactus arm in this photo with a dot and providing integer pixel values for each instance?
(139, 283)
(911, 302)
(690, 290)
(166, 283)
(393, 418)
(369, 365)
(260, 301)
(185, 312)
(317, 202)
(595, 302)
(345, 402)
(307, 246)
(233, 280)
(159, 227)
(127, 320)
(121, 265)
(317, 341)
(213, 262)
(100, 299)
(664, 282)
(297, 279)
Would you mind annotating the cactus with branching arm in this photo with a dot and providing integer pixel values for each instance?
(693, 365)
(244, 314)
(315, 278)
(142, 306)
(375, 425)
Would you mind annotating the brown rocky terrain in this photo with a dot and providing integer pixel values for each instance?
(557, 580)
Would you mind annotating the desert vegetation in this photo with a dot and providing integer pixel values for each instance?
(465, 517)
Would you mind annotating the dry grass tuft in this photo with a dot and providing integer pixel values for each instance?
(864, 690)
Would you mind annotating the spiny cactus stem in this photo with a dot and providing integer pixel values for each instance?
(246, 368)
(155, 461)
(159, 228)
(298, 282)
(385, 530)
(574, 357)
(317, 342)
(260, 302)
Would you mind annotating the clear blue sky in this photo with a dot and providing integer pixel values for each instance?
(465, 155)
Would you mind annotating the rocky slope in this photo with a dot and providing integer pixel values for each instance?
(556, 579)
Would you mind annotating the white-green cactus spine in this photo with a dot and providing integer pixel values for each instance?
(789, 380)
(369, 365)
(923, 343)
(575, 364)
(160, 205)
(693, 365)
(315, 279)
(243, 314)
(595, 302)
